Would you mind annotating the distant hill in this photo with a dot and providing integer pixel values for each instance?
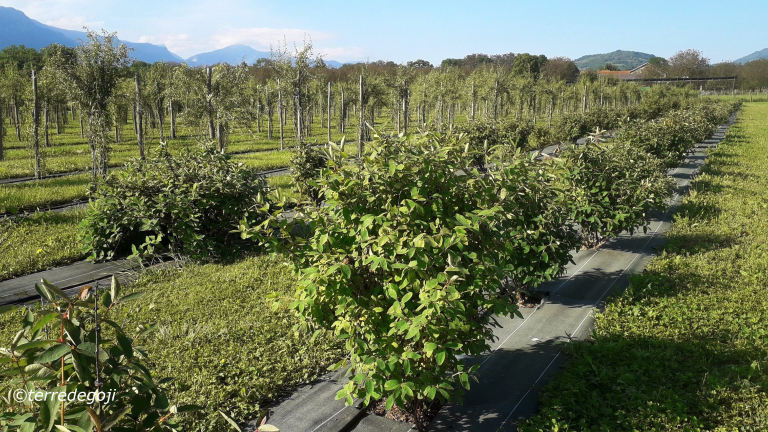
(754, 56)
(18, 29)
(623, 59)
(234, 54)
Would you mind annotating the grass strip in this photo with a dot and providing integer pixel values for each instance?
(36, 243)
(15, 198)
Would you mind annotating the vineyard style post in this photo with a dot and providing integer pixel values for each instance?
(35, 121)
(343, 109)
(209, 75)
(329, 112)
(280, 113)
(269, 112)
(360, 123)
(139, 119)
(45, 124)
(220, 136)
(405, 107)
(473, 101)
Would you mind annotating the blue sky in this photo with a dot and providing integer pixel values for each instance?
(433, 30)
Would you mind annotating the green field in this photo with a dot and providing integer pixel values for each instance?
(685, 348)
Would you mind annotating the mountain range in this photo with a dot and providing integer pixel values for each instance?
(624, 60)
(234, 54)
(18, 29)
(762, 54)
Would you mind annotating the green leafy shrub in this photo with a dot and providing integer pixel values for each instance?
(88, 352)
(613, 188)
(669, 137)
(407, 261)
(306, 165)
(187, 204)
(541, 137)
(601, 118)
(569, 127)
(683, 348)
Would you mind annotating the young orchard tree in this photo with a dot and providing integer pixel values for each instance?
(294, 70)
(92, 79)
(15, 85)
(156, 91)
(214, 109)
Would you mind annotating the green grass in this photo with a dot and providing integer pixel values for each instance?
(15, 198)
(686, 346)
(284, 184)
(39, 242)
(266, 161)
(219, 337)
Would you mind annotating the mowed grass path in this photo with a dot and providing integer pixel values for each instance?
(686, 346)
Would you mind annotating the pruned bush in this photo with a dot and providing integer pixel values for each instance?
(613, 188)
(407, 261)
(186, 204)
(541, 137)
(306, 164)
(569, 127)
(669, 137)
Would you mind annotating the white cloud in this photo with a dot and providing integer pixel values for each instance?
(181, 43)
(75, 22)
(264, 37)
(342, 54)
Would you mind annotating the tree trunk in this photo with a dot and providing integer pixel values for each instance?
(139, 120)
(16, 118)
(551, 107)
(220, 136)
(473, 101)
(258, 112)
(35, 123)
(45, 127)
(360, 123)
(173, 119)
(82, 129)
(209, 75)
(58, 123)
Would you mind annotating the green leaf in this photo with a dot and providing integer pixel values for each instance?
(53, 353)
(440, 356)
(45, 320)
(391, 385)
(346, 271)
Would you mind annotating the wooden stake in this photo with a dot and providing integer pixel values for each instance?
(139, 118)
(35, 126)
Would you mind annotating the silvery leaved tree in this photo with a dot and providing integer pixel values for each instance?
(92, 77)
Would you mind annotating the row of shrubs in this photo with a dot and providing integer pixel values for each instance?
(663, 107)
(410, 253)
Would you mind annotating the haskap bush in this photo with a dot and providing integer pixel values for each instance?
(407, 260)
(186, 204)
